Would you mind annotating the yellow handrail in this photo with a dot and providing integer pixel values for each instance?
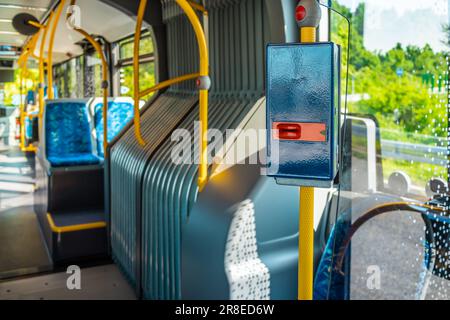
(203, 76)
(22, 61)
(51, 94)
(198, 7)
(105, 78)
(35, 24)
(306, 219)
(22, 110)
(137, 41)
(168, 83)
(203, 92)
(42, 67)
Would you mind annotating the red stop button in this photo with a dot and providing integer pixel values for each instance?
(300, 13)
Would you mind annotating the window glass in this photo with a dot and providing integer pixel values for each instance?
(127, 46)
(398, 107)
(68, 77)
(146, 79)
(146, 65)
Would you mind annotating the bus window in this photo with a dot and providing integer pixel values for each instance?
(146, 62)
(397, 103)
(69, 78)
(399, 78)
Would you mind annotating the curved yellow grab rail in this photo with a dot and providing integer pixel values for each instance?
(203, 90)
(203, 81)
(35, 24)
(105, 78)
(51, 94)
(168, 83)
(198, 7)
(77, 227)
(136, 93)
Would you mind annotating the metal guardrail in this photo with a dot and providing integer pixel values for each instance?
(418, 153)
(433, 153)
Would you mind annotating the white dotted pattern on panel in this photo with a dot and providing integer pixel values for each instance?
(248, 277)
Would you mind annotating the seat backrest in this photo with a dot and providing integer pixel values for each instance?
(29, 125)
(55, 92)
(67, 129)
(30, 97)
(120, 112)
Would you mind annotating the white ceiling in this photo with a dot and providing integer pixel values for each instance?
(9, 8)
(96, 18)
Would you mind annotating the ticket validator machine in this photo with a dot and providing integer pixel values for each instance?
(303, 122)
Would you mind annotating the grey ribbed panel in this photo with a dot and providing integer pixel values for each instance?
(128, 163)
(168, 193)
(128, 159)
(237, 42)
(146, 186)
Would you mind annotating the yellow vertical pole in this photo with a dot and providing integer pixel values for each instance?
(42, 69)
(22, 110)
(203, 90)
(105, 78)
(51, 94)
(137, 89)
(306, 218)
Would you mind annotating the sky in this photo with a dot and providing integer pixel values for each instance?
(409, 22)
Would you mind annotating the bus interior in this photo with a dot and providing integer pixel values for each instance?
(137, 149)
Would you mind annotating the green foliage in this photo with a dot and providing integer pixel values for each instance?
(406, 102)
(13, 88)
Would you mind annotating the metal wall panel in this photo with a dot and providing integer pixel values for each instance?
(150, 196)
(169, 190)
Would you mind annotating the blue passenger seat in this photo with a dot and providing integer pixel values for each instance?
(120, 112)
(67, 134)
(29, 125)
(30, 97)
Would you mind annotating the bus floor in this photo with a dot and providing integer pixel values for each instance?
(22, 247)
(25, 265)
(96, 283)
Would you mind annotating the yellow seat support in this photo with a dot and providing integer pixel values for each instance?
(73, 228)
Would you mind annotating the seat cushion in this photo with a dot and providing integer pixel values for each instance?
(81, 159)
(119, 114)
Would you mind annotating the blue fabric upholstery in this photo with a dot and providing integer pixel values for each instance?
(119, 114)
(67, 134)
(55, 92)
(29, 126)
(329, 284)
(31, 97)
(81, 159)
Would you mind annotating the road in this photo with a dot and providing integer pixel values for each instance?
(394, 243)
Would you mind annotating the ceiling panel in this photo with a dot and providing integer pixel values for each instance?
(9, 8)
(6, 26)
(30, 3)
(8, 13)
(96, 18)
(12, 39)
